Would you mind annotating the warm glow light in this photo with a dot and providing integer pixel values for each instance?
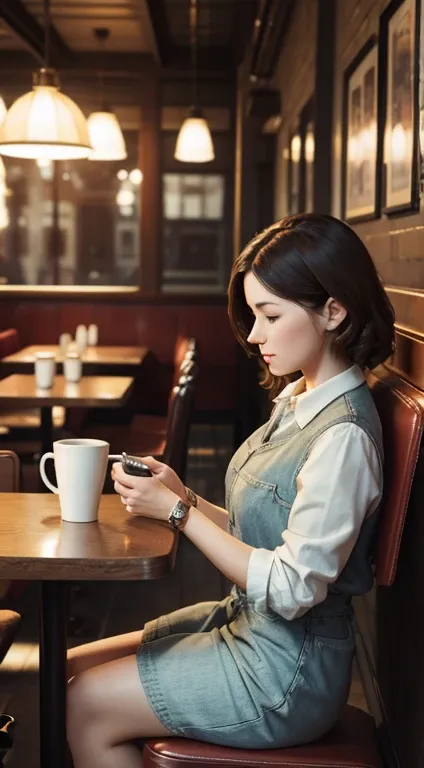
(194, 143)
(4, 213)
(44, 124)
(136, 177)
(309, 147)
(106, 137)
(122, 174)
(125, 197)
(295, 147)
(400, 142)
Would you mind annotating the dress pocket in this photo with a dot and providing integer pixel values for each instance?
(272, 488)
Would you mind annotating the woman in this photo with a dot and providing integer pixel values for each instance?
(270, 665)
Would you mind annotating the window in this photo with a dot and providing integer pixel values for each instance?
(194, 232)
(96, 240)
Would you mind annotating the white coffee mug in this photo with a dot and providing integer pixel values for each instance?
(44, 369)
(72, 367)
(92, 335)
(80, 471)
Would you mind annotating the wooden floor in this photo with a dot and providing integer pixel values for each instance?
(113, 608)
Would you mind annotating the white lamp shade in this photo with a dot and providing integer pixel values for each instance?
(194, 143)
(106, 137)
(44, 123)
(3, 110)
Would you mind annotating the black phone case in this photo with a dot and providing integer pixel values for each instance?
(133, 466)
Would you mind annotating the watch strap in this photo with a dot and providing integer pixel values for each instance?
(192, 497)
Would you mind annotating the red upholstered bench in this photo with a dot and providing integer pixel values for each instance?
(351, 743)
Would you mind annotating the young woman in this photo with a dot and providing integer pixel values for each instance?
(270, 665)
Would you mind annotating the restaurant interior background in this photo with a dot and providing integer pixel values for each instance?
(143, 246)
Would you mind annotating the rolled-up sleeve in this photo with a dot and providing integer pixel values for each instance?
(338, 486)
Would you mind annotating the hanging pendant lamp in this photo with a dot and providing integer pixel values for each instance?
(194, 142)
(105, 132)
(3, 110)
(45, 123)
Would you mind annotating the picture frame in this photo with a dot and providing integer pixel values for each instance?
(361, 144)
(399, 35)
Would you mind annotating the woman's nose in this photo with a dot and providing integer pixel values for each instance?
(255, 336)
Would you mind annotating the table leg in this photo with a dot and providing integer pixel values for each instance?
(53, 674)
(46, 428)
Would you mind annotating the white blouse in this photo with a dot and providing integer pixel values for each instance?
(339, 485)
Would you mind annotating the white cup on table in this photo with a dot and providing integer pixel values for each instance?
(72, 367)
(80, 471)
(44, 369)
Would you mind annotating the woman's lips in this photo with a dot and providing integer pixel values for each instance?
(267, 358)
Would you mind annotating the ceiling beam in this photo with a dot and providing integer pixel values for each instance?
(128, 64)
(162, 33)
(26, 27)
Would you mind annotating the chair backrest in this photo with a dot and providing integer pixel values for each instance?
(178, 428)
(184, 346)
(401, 410)
(9, 342)
(9, 472)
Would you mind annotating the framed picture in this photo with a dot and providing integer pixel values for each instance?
(399, 36)
(360, 148)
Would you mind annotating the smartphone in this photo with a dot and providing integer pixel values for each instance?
(134, 466)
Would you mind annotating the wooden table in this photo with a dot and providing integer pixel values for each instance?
(117, 360)
(19, 391)
(36, 545)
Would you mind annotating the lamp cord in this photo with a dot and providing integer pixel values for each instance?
(47, 33)
(194, 25)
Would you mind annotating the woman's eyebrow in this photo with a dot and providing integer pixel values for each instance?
(264, 303)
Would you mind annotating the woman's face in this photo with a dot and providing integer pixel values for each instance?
(289, 338)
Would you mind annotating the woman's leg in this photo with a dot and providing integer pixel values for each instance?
(84, 657)
(107, 710)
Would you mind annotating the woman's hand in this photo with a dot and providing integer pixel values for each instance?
(145, 496)
(167, 476)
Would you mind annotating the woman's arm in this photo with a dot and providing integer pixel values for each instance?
(218, 515)
(227, 553)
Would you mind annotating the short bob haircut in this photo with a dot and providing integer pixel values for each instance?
(306, 259)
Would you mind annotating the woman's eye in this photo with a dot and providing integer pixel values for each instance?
(272, 318)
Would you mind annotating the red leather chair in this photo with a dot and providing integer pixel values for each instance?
(351, 743)
(9, 342)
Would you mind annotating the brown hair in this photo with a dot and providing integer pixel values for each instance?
(308, 258)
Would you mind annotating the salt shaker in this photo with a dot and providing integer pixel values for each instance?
(81, 337)
(92, 335)
(64, 341)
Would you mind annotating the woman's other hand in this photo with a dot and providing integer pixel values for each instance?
(145, 496)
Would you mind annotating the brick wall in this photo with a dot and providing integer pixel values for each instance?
(396, 244)
(294, 77)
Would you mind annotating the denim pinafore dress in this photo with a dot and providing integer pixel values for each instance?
(235, 672)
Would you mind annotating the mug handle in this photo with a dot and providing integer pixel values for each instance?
(44, 477)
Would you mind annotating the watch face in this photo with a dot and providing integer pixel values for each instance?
(179, 513)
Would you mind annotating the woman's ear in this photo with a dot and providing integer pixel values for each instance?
(335, 314)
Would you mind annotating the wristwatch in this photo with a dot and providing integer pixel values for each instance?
(178, 515)
(192, 498)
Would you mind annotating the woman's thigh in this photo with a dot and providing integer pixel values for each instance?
(109, 703)
(83, 657)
